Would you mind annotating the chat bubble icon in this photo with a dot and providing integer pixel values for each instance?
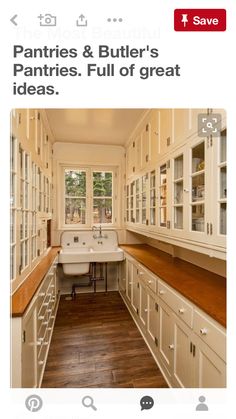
(146, 402)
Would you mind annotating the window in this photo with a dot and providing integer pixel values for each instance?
(89, 196)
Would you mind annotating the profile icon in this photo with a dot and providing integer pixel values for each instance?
(202, 406)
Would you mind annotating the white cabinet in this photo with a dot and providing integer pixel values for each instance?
(29, 348)
(135, 294)
(31, 334)
(143, 304)
(181, 125)
(188, 345)
(165, 131)
(210, 369)
(146, 145)
(166, 343)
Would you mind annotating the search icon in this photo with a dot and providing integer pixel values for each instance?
(87, 401)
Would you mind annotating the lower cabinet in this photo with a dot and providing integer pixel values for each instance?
(31, 334)
(188, 346)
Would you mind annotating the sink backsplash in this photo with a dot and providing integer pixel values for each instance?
(78, 239)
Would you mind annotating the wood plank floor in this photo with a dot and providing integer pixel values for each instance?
(96, 343)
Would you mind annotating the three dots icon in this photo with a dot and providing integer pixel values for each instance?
(114, 20)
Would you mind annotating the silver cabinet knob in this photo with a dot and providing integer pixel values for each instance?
(161, 292)
(203, 331)
(171, 346)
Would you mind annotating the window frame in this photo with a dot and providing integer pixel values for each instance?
(89, 169)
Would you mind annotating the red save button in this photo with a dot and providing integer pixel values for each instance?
(200, 20)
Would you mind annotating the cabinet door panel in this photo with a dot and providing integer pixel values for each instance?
(129, 279)
(210, 369)
(29, 350)
(146, 145)
(143, 304)
(166, 337)
(166, 137)
(183, 368)
(152, 320)
(181, 123)
(135, 289)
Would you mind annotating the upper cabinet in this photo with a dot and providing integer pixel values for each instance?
(179, 192)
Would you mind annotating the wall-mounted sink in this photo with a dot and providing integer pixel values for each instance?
(81, 248)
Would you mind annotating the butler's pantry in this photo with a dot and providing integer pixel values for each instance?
(118, 248)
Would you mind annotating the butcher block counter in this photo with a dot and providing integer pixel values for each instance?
(203, 288)
(24, 294)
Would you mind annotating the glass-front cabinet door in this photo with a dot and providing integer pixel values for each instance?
(132, 201)
(127, 204)
(137, 201)
(163, 196)
(197, 191)
(178, 203)
(144, 192)
(219, 219)
(152, 199)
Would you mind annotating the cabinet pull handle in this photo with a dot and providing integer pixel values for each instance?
(194, 350)
(191, 347)
(207, 228)
(42, 294)
(145, 310)
(171, 346)
(181, 310)
(203, 331)
(41, 362)
(150, 281)
(161, 292)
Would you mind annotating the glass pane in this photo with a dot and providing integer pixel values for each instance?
(26, 224)
(102, 211)
(13, 227)
(102, 183)
(75, 183)
(163, 216)
(132, 188)
(198, 187)
(223, 182)
(153, 216)
(137, 186)
(178, 167)
(75, 210)
(26, 166)
(153, 180)
(21, 224)
(26, 252)
(198, 217)
(178, 221)
(12, 262)
(223, 218)
(13, 190)
(152, 198)
(223, 149)
(178, 188)
(198, 158)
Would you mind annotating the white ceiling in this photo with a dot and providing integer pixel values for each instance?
(93, 126)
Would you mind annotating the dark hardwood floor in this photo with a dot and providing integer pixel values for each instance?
(95, 343)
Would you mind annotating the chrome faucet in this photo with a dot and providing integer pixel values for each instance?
(100, 236)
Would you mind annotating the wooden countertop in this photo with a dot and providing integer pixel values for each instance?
(205, 289)
(24, 294)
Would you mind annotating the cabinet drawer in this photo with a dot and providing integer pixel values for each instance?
(148, 278)
(212, 335)
(183, 310)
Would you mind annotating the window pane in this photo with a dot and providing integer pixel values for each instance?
(102, 183)
(75, 183)
(102, 211)
(75, 210)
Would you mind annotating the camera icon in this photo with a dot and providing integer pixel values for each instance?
(47, 20)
